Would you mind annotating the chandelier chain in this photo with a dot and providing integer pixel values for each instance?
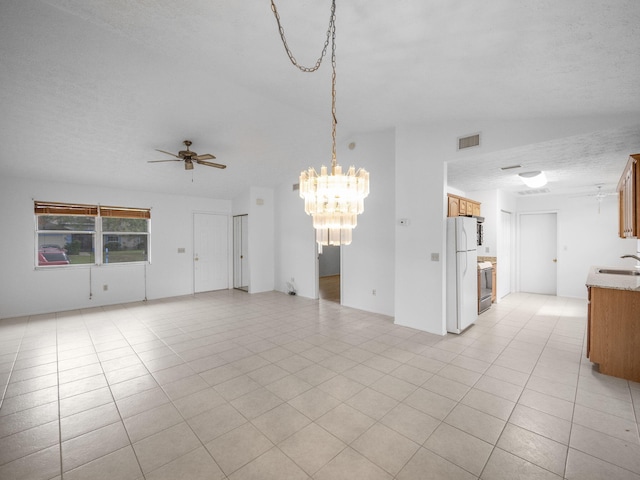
(333, 88)
(330, 37)
(330, 31)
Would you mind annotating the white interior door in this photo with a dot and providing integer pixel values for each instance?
(240, 249)
(538, 253)
(505, 239)
(210, 252)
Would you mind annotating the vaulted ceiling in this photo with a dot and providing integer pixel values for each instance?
(88, 89)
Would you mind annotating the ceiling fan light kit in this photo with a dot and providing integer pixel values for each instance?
(333, 199)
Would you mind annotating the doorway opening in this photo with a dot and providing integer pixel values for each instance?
(329, 273)
(240, 249)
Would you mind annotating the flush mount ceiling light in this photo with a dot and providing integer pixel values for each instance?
(535, 179)
(333, 199)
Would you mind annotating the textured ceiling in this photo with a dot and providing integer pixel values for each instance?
(89, 88)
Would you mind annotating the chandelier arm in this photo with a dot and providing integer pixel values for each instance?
(331, 29)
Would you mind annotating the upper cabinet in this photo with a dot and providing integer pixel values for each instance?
(629, 199)
(462, 206)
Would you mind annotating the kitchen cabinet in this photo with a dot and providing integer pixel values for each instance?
(613, 331)
(629, 199)
(454, 206)
(458, 206)
(494, 285)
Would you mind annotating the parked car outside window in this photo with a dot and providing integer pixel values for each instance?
(52, 255)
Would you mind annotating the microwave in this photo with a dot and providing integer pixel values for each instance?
(479, 228)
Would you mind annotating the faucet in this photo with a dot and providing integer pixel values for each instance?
(631, 256)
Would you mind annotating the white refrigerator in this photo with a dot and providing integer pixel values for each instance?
(462, 273)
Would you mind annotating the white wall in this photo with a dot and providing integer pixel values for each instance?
(368, 263)
(25, 290)
(329, 261)
(585, 237)
(421, 199)
(261, 240)
(295, 247)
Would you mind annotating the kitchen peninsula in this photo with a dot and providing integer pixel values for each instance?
(613, 321)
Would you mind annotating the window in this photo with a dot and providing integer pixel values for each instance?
(90, 234)
(125, 235)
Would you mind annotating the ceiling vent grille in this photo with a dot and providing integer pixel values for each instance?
(296, 186)
(536, 191)
(468, 142)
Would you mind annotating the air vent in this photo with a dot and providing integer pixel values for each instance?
(296, 186)
(468, 142)
(536, 191)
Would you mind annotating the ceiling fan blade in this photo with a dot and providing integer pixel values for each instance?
(169, 153)
(169, 160)
(206, 156)
(210, 164)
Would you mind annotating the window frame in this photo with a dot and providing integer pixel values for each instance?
(99, 212)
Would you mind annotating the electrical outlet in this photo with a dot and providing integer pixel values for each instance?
(105, 287)
(373, 292)
(181, 250)
(435, 257)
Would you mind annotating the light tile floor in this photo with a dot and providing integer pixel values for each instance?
(271, 386)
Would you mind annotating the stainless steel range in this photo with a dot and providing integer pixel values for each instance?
(485, 279)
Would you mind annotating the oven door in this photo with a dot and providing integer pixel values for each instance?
(486, 278)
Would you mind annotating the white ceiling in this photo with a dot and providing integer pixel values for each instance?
(89, 88)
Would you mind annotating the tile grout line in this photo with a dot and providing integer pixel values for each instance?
(575, 398)
(93, 345)
(58, 398)
(519, 396)
(171, 401)
(331, 328)
(13, 364)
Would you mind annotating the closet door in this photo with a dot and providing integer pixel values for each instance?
(210, 252)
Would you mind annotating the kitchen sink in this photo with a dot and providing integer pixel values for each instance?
(618, 271)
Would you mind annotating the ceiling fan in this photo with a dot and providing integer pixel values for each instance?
(188, 157)
(600, 195)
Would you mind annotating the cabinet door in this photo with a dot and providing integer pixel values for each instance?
(628, 199)
(493, 283)
(621, 220)
(588, 321)
(463, 207)
(476, 209)
(634, 179)
(454, 207)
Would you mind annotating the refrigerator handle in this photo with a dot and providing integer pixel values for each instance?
(466, 263)
(466, 237)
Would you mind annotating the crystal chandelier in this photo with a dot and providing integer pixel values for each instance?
(333, 199)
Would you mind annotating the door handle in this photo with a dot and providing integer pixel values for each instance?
(196, 259)
(555, 260)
